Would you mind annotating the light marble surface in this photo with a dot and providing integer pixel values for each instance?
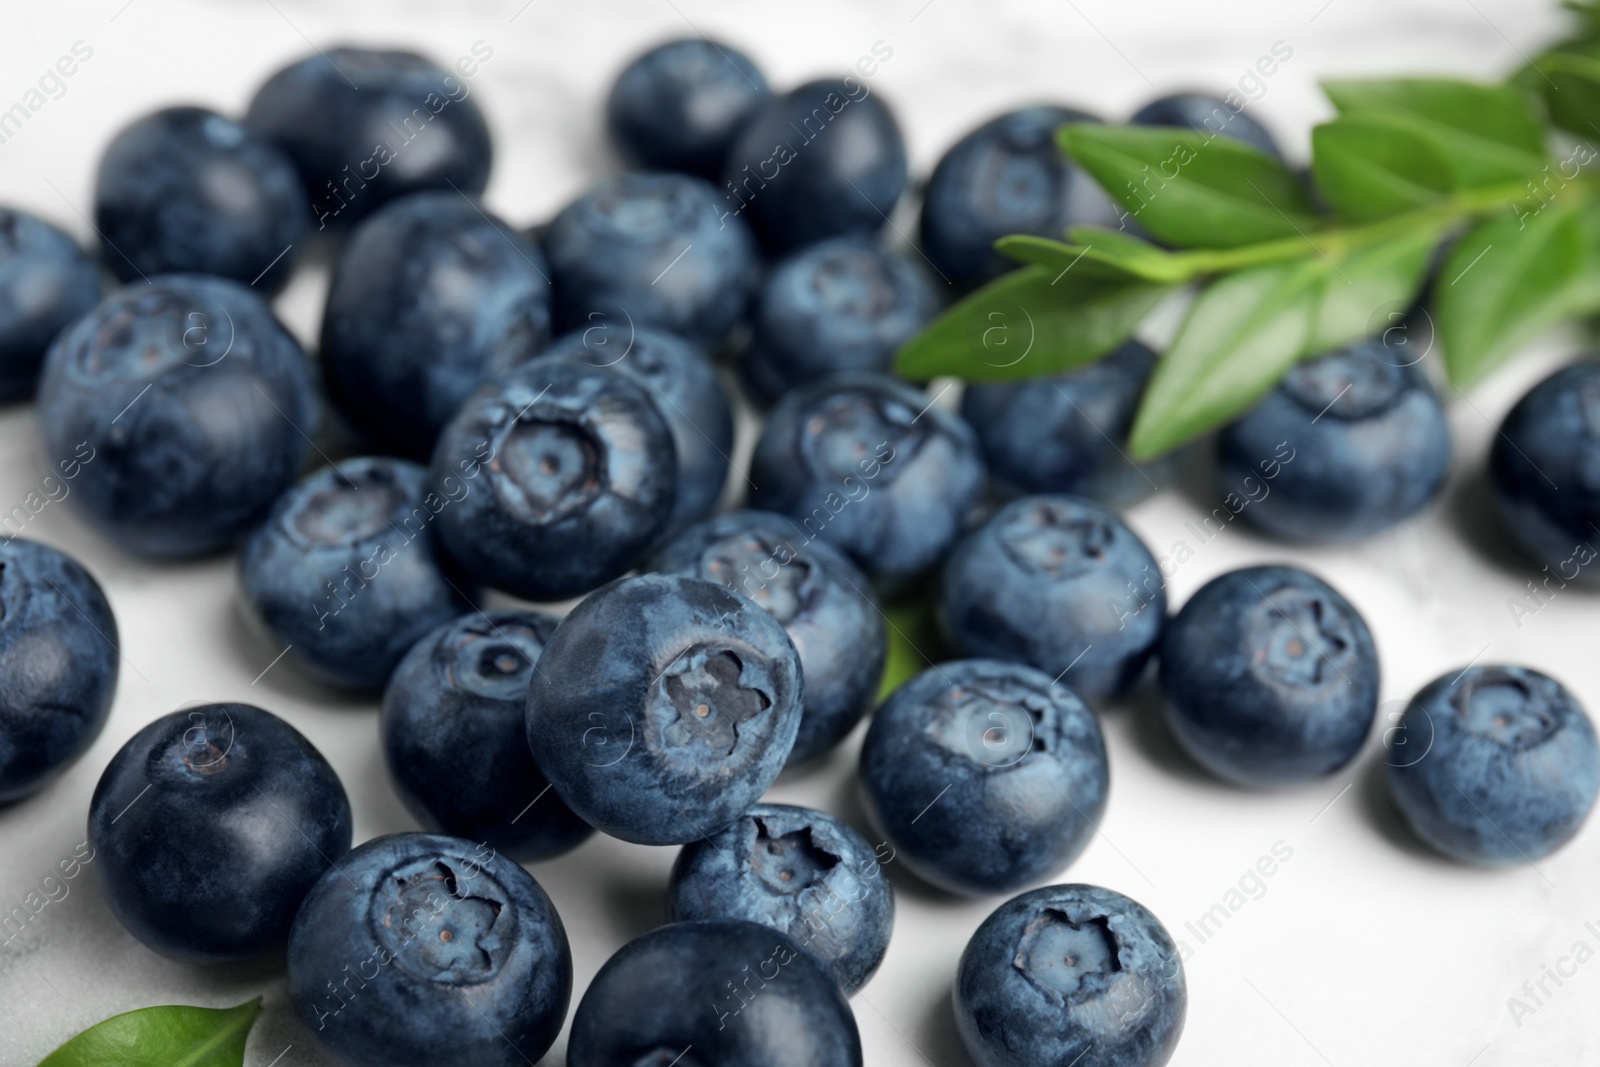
(1360, 949)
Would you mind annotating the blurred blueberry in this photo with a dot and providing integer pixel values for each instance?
(985, 776)
(58, 664)
(1367, 441)
(430, 297)
(1070, 975)
(650, 250)
(687, 392)
(680, 105)
(423, 949)
(46, 281)
(702, 994)
(842, 304)
(824, 602)
(663, 707)
(561, 475)
(210, 826)
(347, 571)
(188, 408)
(365, 126)
(188, 190)
(1207, 114)
(873, 466)
(1061, 584)
(1494, 765)
(1270, 676)
(822, 160)
(455, 741)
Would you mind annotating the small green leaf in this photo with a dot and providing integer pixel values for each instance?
(913, 638)
(173, 1035)
(1364, 289)
(1103, 253)
(1242, 334)
(1372, 167)
(1490, 125)
(1570, 86)
(1031, 322)
(1193, 189)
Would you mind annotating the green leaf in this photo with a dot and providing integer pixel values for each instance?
(1508, 280)
(1193, 189)
(174, 1035)
(1364, 288)
(913, 638)
(1242, 334)
(1031, 322)
(1372, 167)
(1488, 124)
(1104, 253)
(1570, 86)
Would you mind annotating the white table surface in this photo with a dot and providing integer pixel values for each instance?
(1360, 949)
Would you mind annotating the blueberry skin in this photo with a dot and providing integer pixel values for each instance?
(423, 948)
(680, 105)
(188, 190)
(1068, 433)
(58, 664)
(689, 396)
(1494, 765)
(430, 297)
(347, 569)
(1070, 974)
(985, 776)
(842, 304)
(189, 407)
(365, 126)
(1369, 441)
(1007, 176)
(615, 258)
(210, 826)
(567, 474)
(1270, 676)
(1058, 583)
(803, 873)
(454, 740)
(1204, 113)
(822, 599)
(1544, 466)
(822, 160)
(679, 996)
(871, 465)
(46, 281)
(615, 716)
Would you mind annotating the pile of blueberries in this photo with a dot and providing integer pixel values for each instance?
(540, 413)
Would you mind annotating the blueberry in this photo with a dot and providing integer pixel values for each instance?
(1070, 974)
(985, 776)
(58, 664)
(1061, 584)
(1209, 115)
(210, 826)
(841, 304)
(455, 742)
(1544, 466)
(873, 466)
(1363, 443)
(46, 281)
(364, 127)
(822, 160)
(685, 388)
(805, 874)
(347, 571)
(430, 297)
(1271, 677)
(188, 190)
(187, 407)
(680, 105)
(823, 601)
(1068, 433)
(651, 250)
(424, 949)
(663, 707)
(698, 994)
(1494, 765)
(1007, 176)
(562, 475)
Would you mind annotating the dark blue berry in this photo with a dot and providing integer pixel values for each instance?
(680, 105)
(46, 282)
